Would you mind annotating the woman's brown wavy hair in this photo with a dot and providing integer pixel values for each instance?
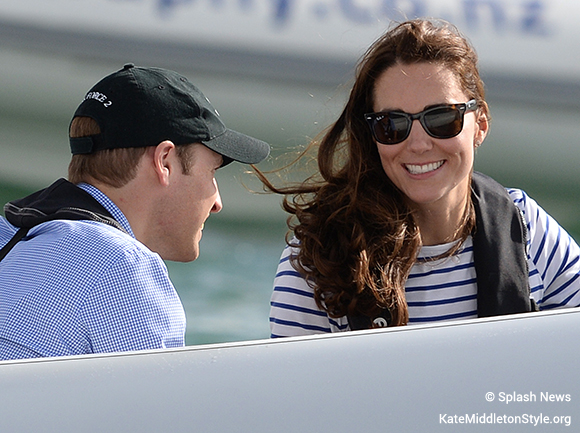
(357, 236)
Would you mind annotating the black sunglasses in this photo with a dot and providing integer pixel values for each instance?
(441, 121)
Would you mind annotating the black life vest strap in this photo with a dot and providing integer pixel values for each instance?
(12, 242)
(500, 258)
(499, 251)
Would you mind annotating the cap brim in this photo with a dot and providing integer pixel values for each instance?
(239, 147)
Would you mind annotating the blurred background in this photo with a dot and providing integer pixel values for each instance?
(280, 70)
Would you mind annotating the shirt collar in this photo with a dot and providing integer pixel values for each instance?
(108, 204)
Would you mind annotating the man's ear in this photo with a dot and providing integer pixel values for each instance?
(164, 157)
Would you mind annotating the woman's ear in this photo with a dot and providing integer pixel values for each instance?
(164, 157)
(482, 128)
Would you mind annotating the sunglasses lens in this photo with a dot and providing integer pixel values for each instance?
(444, 122)
(392, 128)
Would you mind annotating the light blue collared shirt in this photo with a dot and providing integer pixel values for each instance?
(77, 287)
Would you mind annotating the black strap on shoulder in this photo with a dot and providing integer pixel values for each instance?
(499, 249)
(12, 242)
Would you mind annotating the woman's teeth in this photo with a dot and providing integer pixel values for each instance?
(425, 168)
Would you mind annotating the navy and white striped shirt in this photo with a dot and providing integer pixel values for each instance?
(445, 289)
(77, 287)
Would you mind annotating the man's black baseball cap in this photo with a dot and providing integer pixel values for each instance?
(139, 107)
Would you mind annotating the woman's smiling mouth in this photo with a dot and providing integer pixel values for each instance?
(423, 168)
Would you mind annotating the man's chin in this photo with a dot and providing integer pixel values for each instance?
(183, 256)
(193, 255)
